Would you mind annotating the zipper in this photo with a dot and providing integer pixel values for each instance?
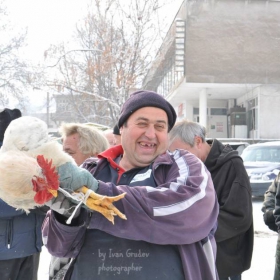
(88, 219)
(9, 233)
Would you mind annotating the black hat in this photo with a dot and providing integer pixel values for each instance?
(116, 130)
(6, 116)
(143, 98)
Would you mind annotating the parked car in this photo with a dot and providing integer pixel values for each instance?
(262, 162)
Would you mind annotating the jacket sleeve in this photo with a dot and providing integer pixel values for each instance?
(277, 203)
(235, 215)
(269, 197)
(182, 209)
(269, 206)
(63, 240)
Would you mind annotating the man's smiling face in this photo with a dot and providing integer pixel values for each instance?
(144, 137)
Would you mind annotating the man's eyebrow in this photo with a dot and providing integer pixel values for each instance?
(161, 121)
(147, 120)
(142, 119)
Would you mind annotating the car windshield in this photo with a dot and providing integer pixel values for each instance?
(268, 153)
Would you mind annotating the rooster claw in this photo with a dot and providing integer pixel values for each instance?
(104, 204)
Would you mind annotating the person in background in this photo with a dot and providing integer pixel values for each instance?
(170, 205)
(110, 137)
(268, 206)
(235, 234)
(20, 234)
(6, 116)
(117, 135)
(271, 209)
(82, 141)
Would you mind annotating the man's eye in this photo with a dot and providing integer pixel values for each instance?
(160, 127)
(142, 124)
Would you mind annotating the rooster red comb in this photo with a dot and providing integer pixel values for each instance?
(44, 187)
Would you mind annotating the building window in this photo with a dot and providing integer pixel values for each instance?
(196, 111)
(218, 111)
(252, 116)
(173, 68)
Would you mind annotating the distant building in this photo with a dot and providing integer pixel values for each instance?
(220, 65)
(78, 108)
(66, 107)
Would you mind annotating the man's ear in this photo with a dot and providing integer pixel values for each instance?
(198, 141)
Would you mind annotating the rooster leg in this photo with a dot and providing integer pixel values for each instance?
(109, 214)
(116, 211)
(97, 196)
(105, 202)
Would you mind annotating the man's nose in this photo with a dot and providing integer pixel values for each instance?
(150, 131)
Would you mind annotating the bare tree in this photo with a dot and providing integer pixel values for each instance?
(15, 74)
(116, 42)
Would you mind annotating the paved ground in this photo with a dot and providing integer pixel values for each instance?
(44, 265)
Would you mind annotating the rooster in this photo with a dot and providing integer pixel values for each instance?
(33, 167)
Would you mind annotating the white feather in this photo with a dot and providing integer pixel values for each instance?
(25, 138)
(16, 172)
(24, 134)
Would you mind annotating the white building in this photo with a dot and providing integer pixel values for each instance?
(220, 65)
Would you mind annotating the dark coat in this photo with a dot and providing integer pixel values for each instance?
(268, 206)
(20, 234)
(277, 202)
(235, 233)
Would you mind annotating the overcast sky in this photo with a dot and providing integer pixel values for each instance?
(48, 21)
(53, 21)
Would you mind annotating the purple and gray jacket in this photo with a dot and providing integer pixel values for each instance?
(171, 211)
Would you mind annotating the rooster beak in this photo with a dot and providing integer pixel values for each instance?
(53, 192)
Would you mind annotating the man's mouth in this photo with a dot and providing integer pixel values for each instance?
(146, 145)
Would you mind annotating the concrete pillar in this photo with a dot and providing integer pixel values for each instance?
(189, 111)
(203, 107)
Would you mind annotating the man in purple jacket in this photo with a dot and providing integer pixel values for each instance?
(170, 205)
